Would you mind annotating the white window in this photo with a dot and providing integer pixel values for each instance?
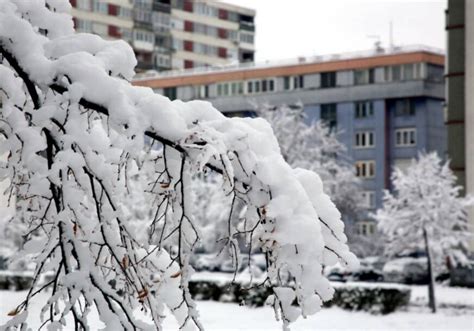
(365, 169)
(293, 82)
(125, 12)
(144, 36)
(367, 199)
(230, 88)
(365, 228)
(364, 76)
(84, 4)
(178, 44)
(177, 24)
(204, 9)
(405, 137)
(364, 139)
(246, 37)
(84, 25)
(101, 7)
(409, 71)
(201, 91)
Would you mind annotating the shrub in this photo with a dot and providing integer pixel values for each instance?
(374, 298)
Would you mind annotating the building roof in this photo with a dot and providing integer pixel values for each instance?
(298, 66)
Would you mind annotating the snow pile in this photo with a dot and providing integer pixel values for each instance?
(74, 127)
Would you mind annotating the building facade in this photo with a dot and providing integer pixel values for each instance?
(459, 94)
(387, 105)
(172, 34)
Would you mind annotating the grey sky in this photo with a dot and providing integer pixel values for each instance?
(291, 28)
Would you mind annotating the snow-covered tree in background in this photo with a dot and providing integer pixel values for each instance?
(73, 125)
(316, 147)
(426, 213)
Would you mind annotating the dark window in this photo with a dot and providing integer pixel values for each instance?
(371, 76)
(405, 107)
(286, 83)
(188, 46)
(249, 87)
(170, 92)
(328, 79)
(364, 109)
(222, 52)
(271, 86)
(396, 73)
(188, 26)
(329, 115)
(298, 82)
(264, 85)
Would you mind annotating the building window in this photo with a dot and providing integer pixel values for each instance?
(365, 169)
(409, 71)
(170, 92)
(101, 7)
(365, 228)
(329, 115)
(201, 91)
(364, 139)
(405, 137)
(293, 82)
(83, 26)
(405, 107)
(83, 4)
(364, 76)
(328, 79)
(246, 37)
(140, 35)
(364, 109)
(262, 85)
(367, 199)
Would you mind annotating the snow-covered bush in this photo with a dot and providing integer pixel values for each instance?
(74, 126)
(377, 298)
(374, 298)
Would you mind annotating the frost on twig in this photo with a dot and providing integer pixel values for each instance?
(73, 126)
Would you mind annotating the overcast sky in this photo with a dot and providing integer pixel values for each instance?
(291, 28)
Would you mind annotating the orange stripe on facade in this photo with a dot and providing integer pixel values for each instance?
(289, 70)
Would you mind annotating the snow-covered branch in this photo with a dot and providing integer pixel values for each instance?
(74, 127)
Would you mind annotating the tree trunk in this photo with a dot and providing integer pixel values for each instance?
(431, 284)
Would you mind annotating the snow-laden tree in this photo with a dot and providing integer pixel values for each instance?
(426, 213)
(314, 146)
(73, 125)
(212, 212)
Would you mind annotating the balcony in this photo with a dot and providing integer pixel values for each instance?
(161, 7)
(246, 26)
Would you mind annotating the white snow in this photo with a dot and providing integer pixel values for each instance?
(226, 316)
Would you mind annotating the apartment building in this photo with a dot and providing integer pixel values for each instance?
(459, 94)
(386, 104)
(172, 34)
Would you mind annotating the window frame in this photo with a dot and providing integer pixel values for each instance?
(405, 137)
(365, 169)
(364, 139)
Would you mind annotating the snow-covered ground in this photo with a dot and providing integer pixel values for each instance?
(446, 296)
(226, 316)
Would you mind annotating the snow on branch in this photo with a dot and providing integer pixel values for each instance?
(73, 127)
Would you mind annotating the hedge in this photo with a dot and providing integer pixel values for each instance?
(377, 298)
